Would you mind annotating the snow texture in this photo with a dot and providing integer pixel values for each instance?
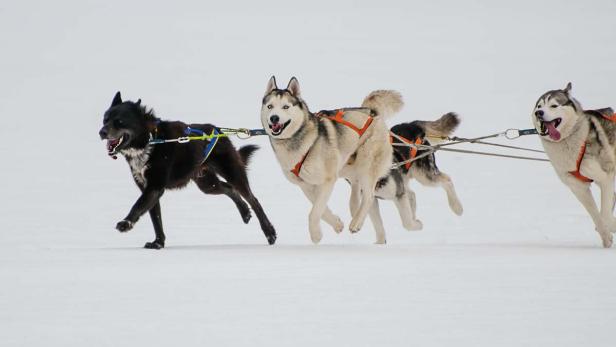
(522, 267)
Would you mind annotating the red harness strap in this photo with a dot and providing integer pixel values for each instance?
(338, 118)
(298, 166)
(413, 149)
(577, 174)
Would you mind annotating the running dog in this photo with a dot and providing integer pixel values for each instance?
(314, 150)
(129, 129)
(412, 163)
(581, 145)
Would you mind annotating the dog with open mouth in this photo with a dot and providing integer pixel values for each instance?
(129, 129)
(315, 149)
(581, 145)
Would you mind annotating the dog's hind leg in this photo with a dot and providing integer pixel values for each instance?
(584, 195)
(328, 216)
(235, 174)
(442, 180)
(377, 222)
(355, 198)
(366, 185)
(607, 203)
(210, 184)
(407, 206)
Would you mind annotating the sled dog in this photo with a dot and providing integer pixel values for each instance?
(315, 149)
(395, 186)
(129, 129)
(581, 145)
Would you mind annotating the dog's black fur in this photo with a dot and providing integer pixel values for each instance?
(128, 127)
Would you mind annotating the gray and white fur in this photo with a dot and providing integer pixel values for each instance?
(326, 148)
(565, 127)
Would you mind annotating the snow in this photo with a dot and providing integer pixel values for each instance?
(522, 267)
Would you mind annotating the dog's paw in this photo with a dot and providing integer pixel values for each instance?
(380, 242)
(414, 225)
(316, 237)
(338, 225)
(124, 226)
(271, 239)
(457, 208)
(607, 239)
(154, 245)
(355, 226)
(246, 217)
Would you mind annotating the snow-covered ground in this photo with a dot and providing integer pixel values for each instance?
(522, 267)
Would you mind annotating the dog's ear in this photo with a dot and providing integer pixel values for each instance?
(567, 89)
(138, 103)
(271, 85)
(293, 87)
(117, 99)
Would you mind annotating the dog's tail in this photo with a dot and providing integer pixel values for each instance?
(442, 127)
(246, 153)
(385, 103)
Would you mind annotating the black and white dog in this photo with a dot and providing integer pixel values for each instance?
(129, 128)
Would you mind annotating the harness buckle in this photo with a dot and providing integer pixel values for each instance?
(183, 139)
(512, 134)
(243, 133)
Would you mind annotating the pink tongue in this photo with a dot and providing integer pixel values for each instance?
(552, 132)
(276, 127)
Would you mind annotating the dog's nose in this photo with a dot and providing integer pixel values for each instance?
(103, 133)
(539, 113)
(274, 119)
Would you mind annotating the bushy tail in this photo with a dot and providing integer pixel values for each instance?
(441, 127)
(385, 103)
(246, 153)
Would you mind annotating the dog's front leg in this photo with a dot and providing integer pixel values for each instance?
(328, 216)
(584, 195)
(377, 222)
(157, 222)
(322, 193)
(148, 199)
(355, 198)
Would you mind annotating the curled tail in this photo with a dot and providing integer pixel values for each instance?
(442, 127)
(246, 153)
(385, 103)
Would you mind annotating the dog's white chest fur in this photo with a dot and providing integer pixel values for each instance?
(138, 162)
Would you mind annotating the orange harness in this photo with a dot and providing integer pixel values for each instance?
(412, 150)
(577, 174)
(338, 118)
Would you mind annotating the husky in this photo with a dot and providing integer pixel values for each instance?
(581, 145)
(314, 150)
(395, 186)
(129, 129)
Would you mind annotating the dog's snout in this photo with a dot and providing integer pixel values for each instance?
(274, 119)
(539, 113)
(103, 133)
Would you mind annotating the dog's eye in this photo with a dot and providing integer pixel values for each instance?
(269, 107)
(285, 107)
(554, 106)
(118, 123)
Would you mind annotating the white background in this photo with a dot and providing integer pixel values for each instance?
(522, 267)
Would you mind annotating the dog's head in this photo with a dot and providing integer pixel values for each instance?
(125, 126)
(556, 113)
(283, 111)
